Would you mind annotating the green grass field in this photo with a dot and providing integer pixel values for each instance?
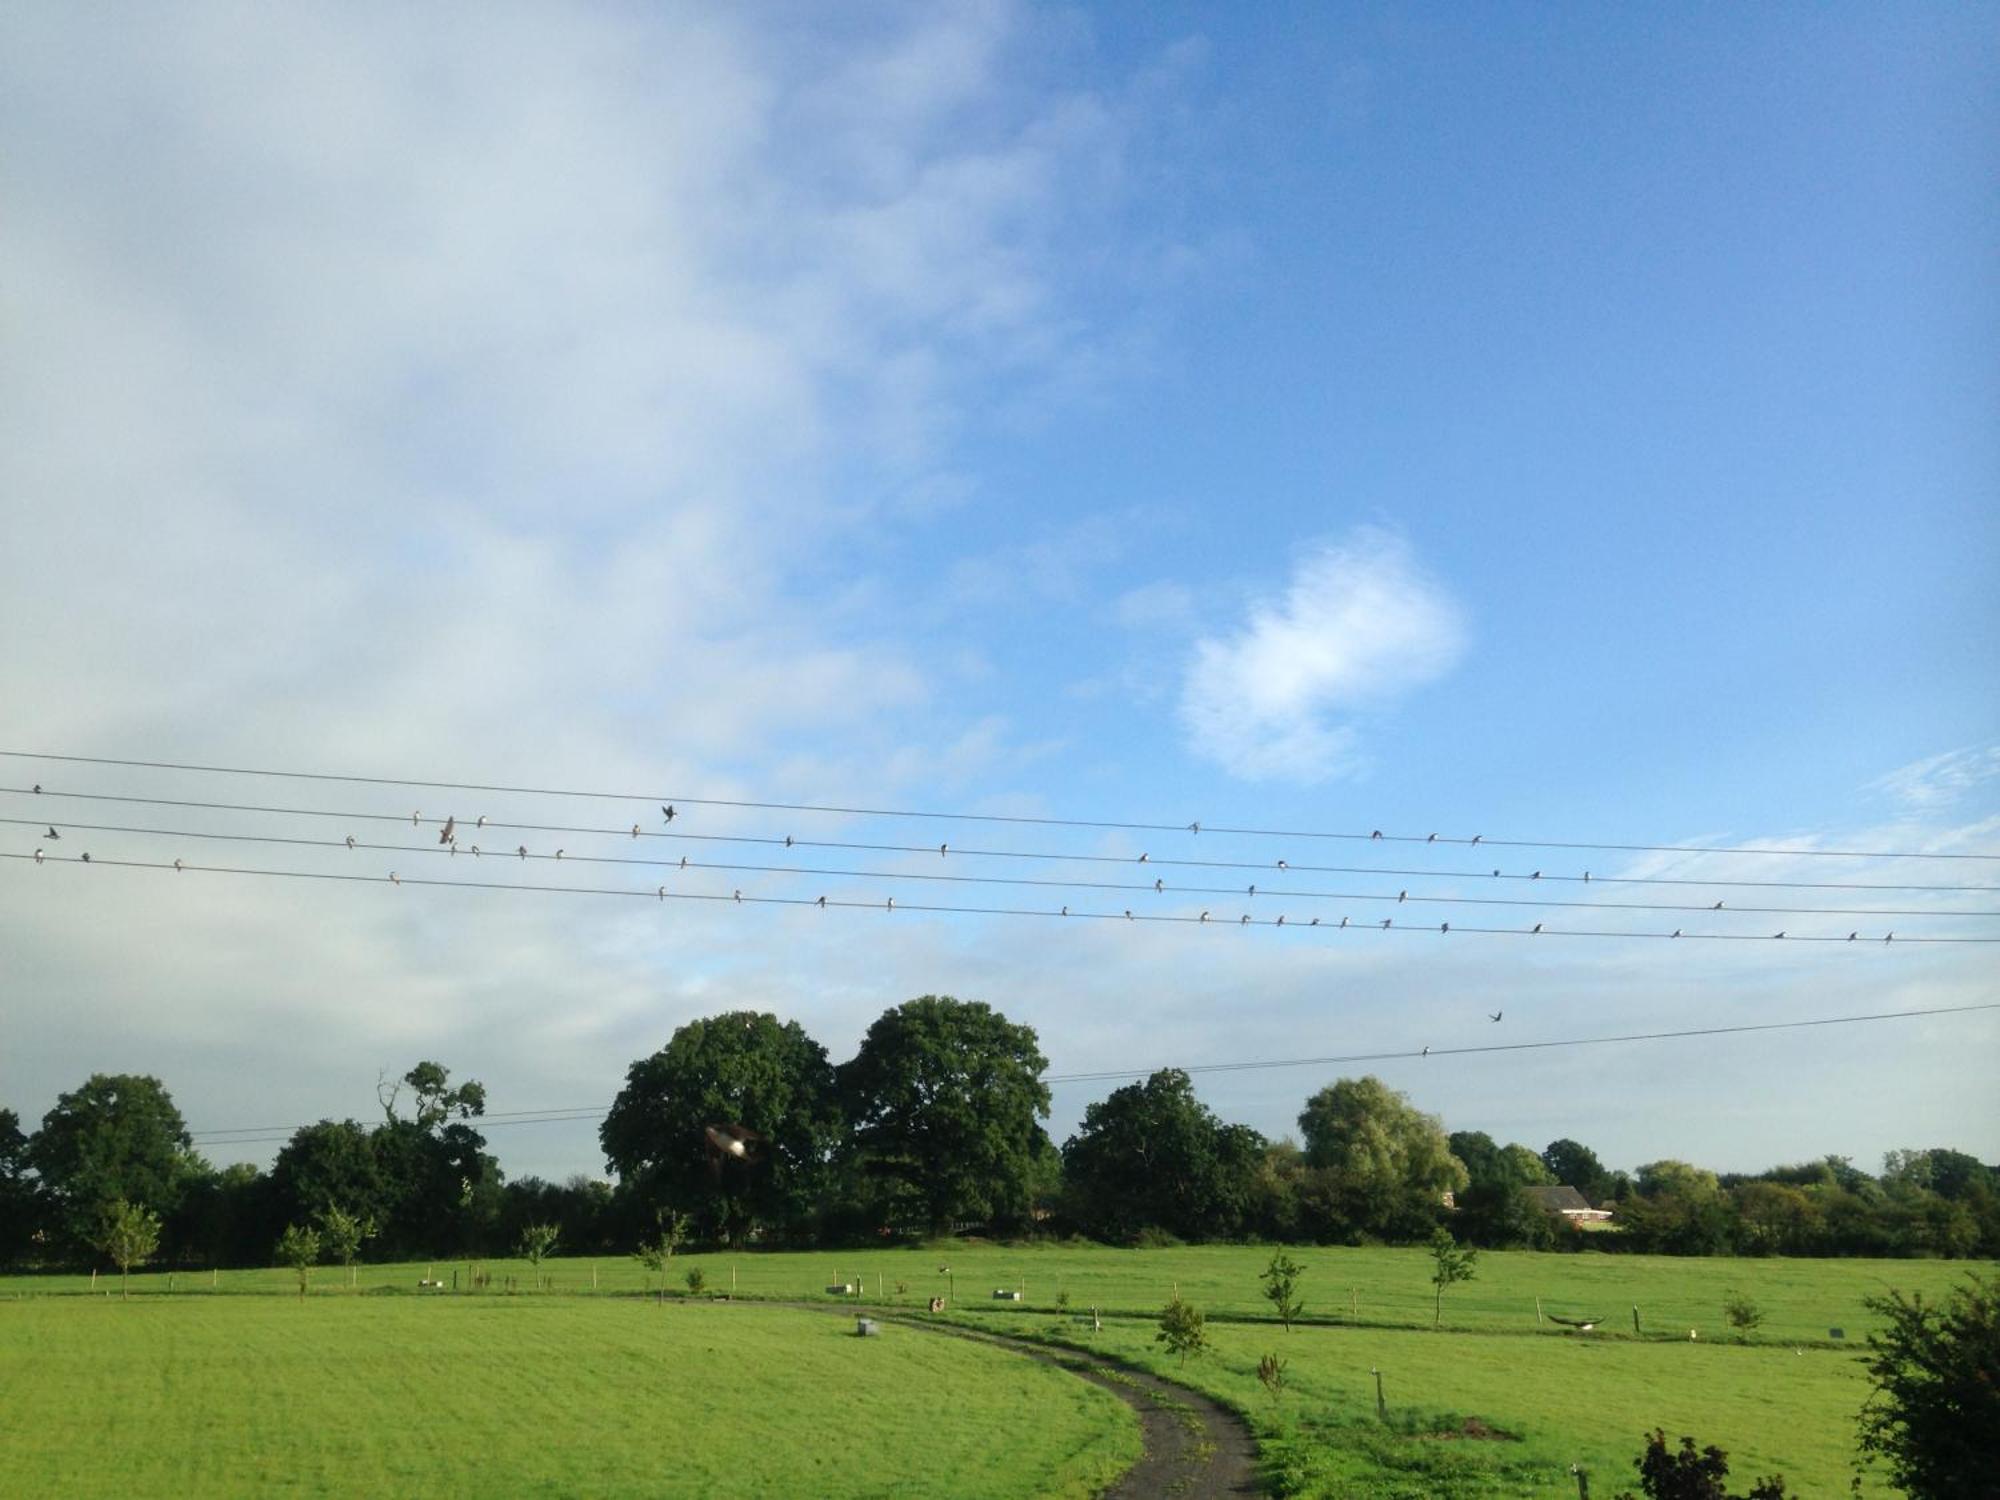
(1782, 1398)
(391, 1395)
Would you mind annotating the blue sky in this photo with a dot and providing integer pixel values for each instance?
(1574, 426)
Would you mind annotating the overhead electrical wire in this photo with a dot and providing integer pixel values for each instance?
(969, 852)
(1259, 893)
(1207, 918)
(262, 1134)
(1194, 826)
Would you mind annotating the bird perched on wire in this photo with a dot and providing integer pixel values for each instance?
(788, 841)
(38, 789)
(177, 867)
(635, 830)
(444, 833)
(38, 856)
(522, 851)
(480, 821)
(1538, 927)
(1376, 834)
(86, 856)
(1144, 857)
(1192, 827)
(1283, 866)
(943, 850)
(1158, 886)
(350, 841)
(821, 903)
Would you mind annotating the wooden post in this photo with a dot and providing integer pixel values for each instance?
(732, 1282)
(1538, 1311)
(1635, 1317)
(1354, 1301)
(215, 1276)
(1381, 1406)
(93, 1278)
(1582, 1482)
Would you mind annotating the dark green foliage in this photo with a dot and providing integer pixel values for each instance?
(1153, 1156)
(740, 1069)
(333, 1164)
(1382, 1167)
(1183, 1329)
(1492, 1210)
(1281, 1287)
(18, 1208)
(1934, 1416)
(117, 1137)
(1571, 1164)
(946, 1097)
(1741, 1313)
(1688, 1475)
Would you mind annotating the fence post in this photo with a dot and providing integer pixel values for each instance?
(1381, 1406)
(1635, 1318)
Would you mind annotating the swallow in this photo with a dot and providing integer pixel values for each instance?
(480, 821)
(1496, 874)
(1065, 911)
(1283, 866)
(1677, 932)
(177, 867)
(38, 856)
(1253, 890)
(1315, 922)
(475, 851)
(684, 861)
(788, 841)
(1716, 907)
(1158, 886)
(821, 903)
(559, 854)
(1496, 1015)
(1192, 827)
(1432, 839)
(416, 817)
(635, 830)
(1144, 857)
(52, 834)
(1402, 896)
(392, 878)
(1586, 877)
(892, 903)
(1536, 876)
(1477, 837)
(1890, 938)
(663, 893)
(667, 811)
(1777, 934)
(350, 841)
(1444, 927)
(1204, 916)
(1385, 923)
(522, 851)
(1376, 834)
(38, 789)
(739, 897)
(1244, 921)
(1852, 936)
(1425, 1053)
(1538, 927)
(86, 856)
(943, 849)
(1343, 921)
(1128, 913)
(444, 833)
(1281, 919)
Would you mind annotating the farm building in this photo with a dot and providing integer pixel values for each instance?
(1567, 1203)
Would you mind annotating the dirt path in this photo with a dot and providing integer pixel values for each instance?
(1194, 1447)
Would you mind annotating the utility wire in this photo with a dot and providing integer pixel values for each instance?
(1245, 919)
(1195, 826)
(258, 1134)
(967, 852)
(1258, 893)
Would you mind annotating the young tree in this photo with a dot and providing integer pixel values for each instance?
(1688, 1475)
(670, 1233)
(1183, 1329)
(538, 1242)
(341, 1234)
(1271, 1371)
(1741, 1313)
(1281, 1285)
(298, 1247)
(130, 1235)
(1452, 1263)
(1935, 1409)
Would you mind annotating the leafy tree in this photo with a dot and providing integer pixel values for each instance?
(1281, 1286)
(130, 1234)
(1385, 1165)
(1451, 1263)
(1152, 1155)
(1934, 1415)
(669, 1233)
(298, 1247)
(697, 1281)
(1670, 1178)
(946, 1097)
(1183, 1329)
(341, 1234)
(538, 1242)
(1741, 1313)
(1493, 1210)
(17, 1190)
(329, 1165)
(1688, 1475)
(437, 1102)
(741, 1070)
(440, 1190)
(1571, 1164)
(117, 1137)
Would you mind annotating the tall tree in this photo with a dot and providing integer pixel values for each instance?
(327, 1166)
(734, 1119)
(1152, 1155)
(1384, 1165)
(118, 1136)
(1572, 1164)
(947, 1097)
(441, 1191)
(17, 1191)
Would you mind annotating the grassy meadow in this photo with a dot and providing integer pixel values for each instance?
(392, 1395)
(230, 1385)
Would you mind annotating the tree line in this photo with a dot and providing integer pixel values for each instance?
(740, 1130)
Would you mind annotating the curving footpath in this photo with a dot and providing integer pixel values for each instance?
(1194, 1448)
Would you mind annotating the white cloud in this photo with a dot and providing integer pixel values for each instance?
(1359, 625)
(1939, 780)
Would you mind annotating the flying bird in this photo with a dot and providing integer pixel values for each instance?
(52, 834)
(667, 811)
(1495, 1015)
(444, 833)
(1582, 1325)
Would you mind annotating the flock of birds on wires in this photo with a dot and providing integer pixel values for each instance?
(1207, 877)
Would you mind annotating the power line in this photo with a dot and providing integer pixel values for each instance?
(1257, 893)
(1246, 919)
(1194, 826)
(968, 852)
(261, 1134)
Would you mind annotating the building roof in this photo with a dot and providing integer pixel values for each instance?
(1558, 1200)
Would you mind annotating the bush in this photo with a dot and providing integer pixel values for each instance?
(1688, 1475)
(1934, 1415)
(697, 1282)
(1742, 1313)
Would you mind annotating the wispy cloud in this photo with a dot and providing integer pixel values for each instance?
(1940, 780)
(1360, 624)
